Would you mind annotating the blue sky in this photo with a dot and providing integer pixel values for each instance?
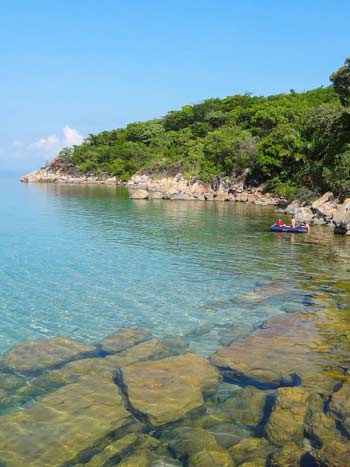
(69, 68)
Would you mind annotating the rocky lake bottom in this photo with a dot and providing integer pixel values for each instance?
(169, 333)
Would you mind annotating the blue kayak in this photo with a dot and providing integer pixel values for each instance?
(286, 228)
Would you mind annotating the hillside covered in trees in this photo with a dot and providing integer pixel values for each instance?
(297, 142)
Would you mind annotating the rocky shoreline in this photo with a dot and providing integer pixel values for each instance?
(278, 397)
(161, 187)
(326, 210)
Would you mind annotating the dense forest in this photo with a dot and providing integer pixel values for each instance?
(297, 142)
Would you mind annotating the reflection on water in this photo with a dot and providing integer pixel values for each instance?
(83, 261)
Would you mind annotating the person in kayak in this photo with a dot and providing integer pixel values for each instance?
(279, 223)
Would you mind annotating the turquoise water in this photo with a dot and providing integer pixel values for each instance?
(81, 261)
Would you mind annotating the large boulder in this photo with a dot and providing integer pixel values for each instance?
(62, 425)
(38, 355)
(341, 218)
(123, 339)
(139, 194)
(325, 206)
(303, 214)
(166, 390)
(293, 207)
(286, 422)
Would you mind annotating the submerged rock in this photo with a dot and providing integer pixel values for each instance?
(153, 349)
(288, 456)
(319, 427)
(63, 425)
(114, 450)
(333, 454)
(340, 406)
(166, 390)
(73, 371)
(209, 458)
(286, 422)
(123, 339)
(246, 406)
(186, 441)
(289, 349)
(42, 354)
(265, 292)
(250, 449)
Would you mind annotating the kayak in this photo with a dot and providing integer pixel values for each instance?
(287, 228)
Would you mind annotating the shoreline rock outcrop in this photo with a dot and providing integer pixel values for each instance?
(160, 186)
(178, 188)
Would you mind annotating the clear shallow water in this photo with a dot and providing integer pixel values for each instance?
(81, 261)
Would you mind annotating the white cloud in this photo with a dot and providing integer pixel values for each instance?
(30, 156)
(52, 144)
(71, 137)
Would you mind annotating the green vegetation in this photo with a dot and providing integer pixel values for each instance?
(297, 142)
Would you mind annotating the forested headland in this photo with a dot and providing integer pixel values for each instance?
(297, 142)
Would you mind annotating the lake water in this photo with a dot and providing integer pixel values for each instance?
(81, 261)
